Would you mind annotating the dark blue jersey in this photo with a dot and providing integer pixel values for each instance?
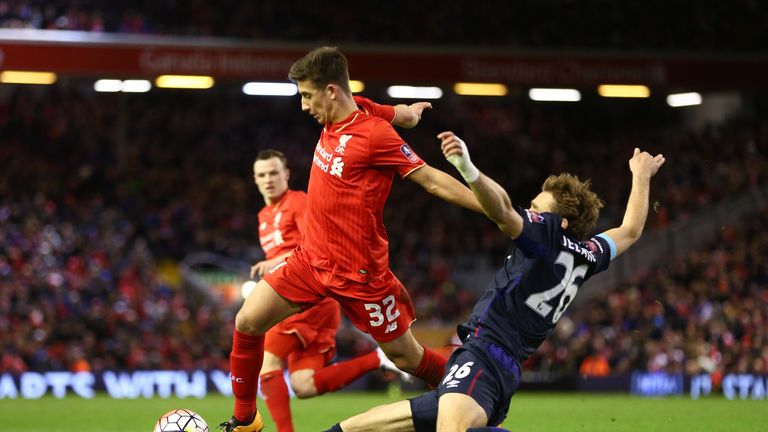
(539, 279)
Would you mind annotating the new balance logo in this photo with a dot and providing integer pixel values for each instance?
(452, 384)
(391, 327)
(337, 167)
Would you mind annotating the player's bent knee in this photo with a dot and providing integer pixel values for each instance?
(248, 323)
(271, 363)
(303, 386)
(458, 412)
(304, 393)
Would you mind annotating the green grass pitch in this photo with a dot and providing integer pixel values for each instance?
(530, 412)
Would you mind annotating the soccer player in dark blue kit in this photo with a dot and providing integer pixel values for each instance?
(552, 256)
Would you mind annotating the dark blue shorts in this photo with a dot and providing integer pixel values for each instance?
(480, 370)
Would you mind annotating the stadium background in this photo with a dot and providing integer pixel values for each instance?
(128, 220)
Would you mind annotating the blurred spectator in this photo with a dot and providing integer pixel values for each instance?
(595, 364)
(657, 25)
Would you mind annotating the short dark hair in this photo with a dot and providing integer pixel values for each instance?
(575, 202)
(270, 153)
(322, 66)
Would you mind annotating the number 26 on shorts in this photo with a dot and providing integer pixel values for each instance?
(456, 373)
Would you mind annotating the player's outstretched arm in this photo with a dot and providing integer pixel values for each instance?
(408, 116)
(405, 116)
(643, 166)
(445, 187)
(493, 199)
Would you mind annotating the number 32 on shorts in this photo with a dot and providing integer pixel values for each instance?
(378, 318)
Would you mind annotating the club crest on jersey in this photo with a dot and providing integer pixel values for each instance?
(534, 216)
(342, 144)
(593, 246)
(408, 153)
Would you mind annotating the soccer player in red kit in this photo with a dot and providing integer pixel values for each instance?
(344, 251)
(305, 341)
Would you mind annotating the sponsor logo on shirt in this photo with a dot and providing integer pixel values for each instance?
(322, 157)
(278, 237)
(408, 153)
(534, 216)
(337, 168)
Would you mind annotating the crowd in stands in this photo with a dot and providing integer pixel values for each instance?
(80, 291)
(98, 188)
(689, 25)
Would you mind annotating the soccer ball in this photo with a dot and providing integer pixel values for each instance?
(181, 420)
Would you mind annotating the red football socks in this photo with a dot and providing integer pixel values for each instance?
(431, 368)
(276, 396)
(337, 375)
(244, 365)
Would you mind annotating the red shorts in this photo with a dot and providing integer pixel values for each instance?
(288, 347)
(381, 308)
(306, 340)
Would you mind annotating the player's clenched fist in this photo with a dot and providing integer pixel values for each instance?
(455, 151)
(642, 163)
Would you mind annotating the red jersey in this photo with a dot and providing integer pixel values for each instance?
(387, 112)
(353, 166)
(281, 224)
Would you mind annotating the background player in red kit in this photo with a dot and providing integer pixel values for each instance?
(305, 341)
(344, 251)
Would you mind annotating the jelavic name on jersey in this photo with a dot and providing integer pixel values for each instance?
(575, 247)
